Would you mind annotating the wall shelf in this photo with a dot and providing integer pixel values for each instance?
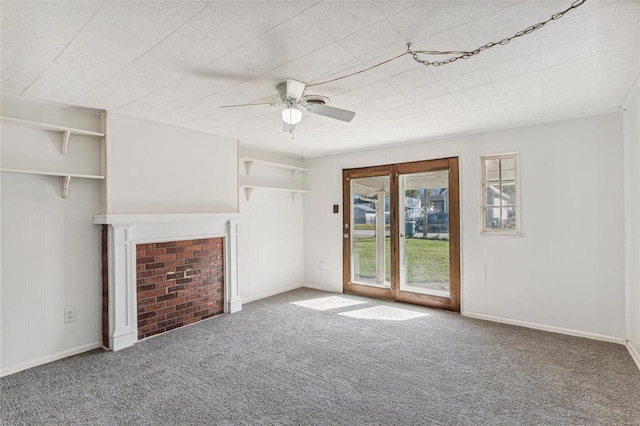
(66, 131)
(249, 162)
(250, 188)
(67, 177)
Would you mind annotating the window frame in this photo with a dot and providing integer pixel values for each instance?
(483, 194)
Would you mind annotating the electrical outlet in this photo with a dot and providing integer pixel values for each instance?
(70, 315)
(322, 265)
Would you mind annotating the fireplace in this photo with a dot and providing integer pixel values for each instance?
(163, 271)
(178, 283)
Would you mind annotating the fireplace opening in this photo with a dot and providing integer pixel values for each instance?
(178, 283)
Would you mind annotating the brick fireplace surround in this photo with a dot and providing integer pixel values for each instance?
(178, 283)
(163, 271)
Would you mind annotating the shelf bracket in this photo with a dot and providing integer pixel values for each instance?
(65, 141)
(294, 173)
(248, 192)
(293, 197)
(247, 165)
(65, 186)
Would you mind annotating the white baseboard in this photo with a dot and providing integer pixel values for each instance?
(635, 353)
(269, 294)
(49, 358)
(317, 287)
(550, 328)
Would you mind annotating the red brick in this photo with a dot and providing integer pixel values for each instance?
(155, 279)
(175, 288)
(153, 306)
(167, 296)
(163, 257)
(177, 301)
(174, 314)
(144, 288)
(167, 310)
(164, 271)
(175, 275)
(146, 315)
(186, 275)
(144, 246)
(151, 293)
(154, 265)
(166, 323)
(175, 250)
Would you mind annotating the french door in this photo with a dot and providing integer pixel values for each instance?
(401, 232)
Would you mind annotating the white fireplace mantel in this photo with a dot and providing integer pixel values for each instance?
(109, 219)
(127, 230)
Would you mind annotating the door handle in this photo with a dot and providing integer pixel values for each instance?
(346, 235)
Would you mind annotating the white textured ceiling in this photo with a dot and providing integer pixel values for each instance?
(178, 62)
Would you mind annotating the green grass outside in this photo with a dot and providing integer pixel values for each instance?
(427, 260)
(367, 227)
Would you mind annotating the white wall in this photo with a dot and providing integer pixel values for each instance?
(50, 247)
(158, 168)
(631, 129)
(567, 269)
(273, 231)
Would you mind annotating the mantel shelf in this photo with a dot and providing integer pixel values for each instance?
(249, 162)
(67, 177)
(145, 218)
(249, 190)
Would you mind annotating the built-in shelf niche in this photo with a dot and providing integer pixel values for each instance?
(249, 162)
(248, 189)
(66, 134)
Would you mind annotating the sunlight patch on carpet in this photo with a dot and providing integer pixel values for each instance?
(385, 313)
(326, 303)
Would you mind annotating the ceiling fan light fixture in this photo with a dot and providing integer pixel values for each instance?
(292, 116)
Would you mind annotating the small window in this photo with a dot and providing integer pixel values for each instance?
(500, 194)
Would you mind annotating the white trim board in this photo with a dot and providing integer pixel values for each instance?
(49, 358)
(317, 287)
(635, 353)
(550, 328)
(269, 294)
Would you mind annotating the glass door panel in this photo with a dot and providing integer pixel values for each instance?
(424, 241)
(370, 232)
(401, 234)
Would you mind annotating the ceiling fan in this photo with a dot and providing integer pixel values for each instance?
(291, 94)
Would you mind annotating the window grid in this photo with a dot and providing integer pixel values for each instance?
(500, 194)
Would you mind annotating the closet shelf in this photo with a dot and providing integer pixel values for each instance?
(249, 162)
(249, 190)
(67, 177)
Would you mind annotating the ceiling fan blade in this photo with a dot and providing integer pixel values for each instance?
(295, 89)
(331, 112)
(244, 105)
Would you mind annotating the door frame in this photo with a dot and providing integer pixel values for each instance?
(393, 171)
